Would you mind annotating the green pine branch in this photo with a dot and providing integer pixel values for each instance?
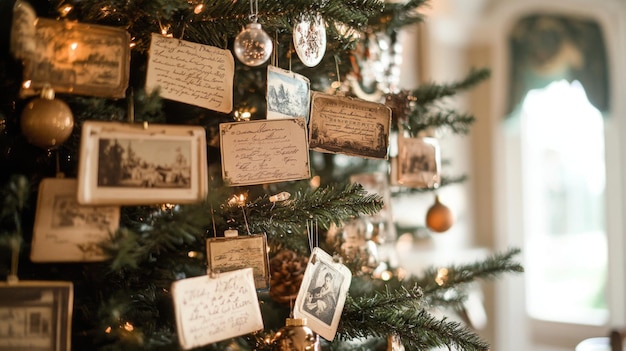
(428, 93)
(399, 312)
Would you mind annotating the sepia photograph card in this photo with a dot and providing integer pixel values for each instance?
(418, 163)
(191, 73)
(74, 58)
(209, 309)
(350, 126)
(36, 315)
(66, 231)
(288, 94)
(127, 164)
(264, 151)
(225, 254)
(323, 293)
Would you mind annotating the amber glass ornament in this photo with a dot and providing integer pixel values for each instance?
(295, 336)
(45, 121)
(439, 217)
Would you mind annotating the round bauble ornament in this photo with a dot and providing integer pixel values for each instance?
(253, 47)
(309, 40)
(295, 336)
(439, 217)
(45, 121)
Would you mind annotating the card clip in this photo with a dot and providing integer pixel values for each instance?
(314, 259)
(213, 274)
(229, 233)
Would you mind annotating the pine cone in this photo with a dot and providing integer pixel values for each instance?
(286, 273)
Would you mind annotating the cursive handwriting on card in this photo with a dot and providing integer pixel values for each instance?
(209, 310)
(350, 126)
(264, 151)
(192, 73)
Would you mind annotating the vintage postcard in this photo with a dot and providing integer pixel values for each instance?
(323, 293)
(66, 231)
(288, 94)
(36, 315)
(264, 151)
(192, 73)
(213, 308)
(77, 58)
(127, 164)
(418, 163)
(227, 254)
(349, 126)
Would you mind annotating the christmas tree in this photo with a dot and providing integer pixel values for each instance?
(139, 74)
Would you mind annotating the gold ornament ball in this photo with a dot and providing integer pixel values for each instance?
(295, 336)
(439, 217)
(47, 122)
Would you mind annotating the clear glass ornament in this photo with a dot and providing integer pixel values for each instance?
(253, 46)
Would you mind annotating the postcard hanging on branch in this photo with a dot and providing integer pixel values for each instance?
(235, 252)
(66, 231)
(323, 293)
(127, 164)
(211, 309)
(344, 125)
(419, 162)
(72, 57)
(263, 151)
(192, 73)
(36, 315)
(288, 94)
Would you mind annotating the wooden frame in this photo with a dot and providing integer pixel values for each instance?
(39, 314)
(66, 231)
(123, 163)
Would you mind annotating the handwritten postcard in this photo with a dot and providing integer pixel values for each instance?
(191, 73)
(323, 293)
(76, 58)
(209, 309)
(66, 231)
(349, 126)
(288, 94)
(264, 151)
(229, 254)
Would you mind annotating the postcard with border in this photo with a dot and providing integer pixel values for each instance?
(288, 94)
(323, 293)
(41, 307)
(225, 254)
(77, 58)
(350, 126)
(66, 231)
(264, 151)
(127, 164)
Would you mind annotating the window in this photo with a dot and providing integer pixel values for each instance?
(563, 185)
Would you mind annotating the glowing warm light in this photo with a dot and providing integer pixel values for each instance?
(315, 182)
(73, 45)
(167, 207)
(198, 9)
(386, 275)
(27, 84)
(65, 10)
(129, 327)
(108, 330)
(132, 45)
(243, 115)
(193, 254)
(442, 276)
